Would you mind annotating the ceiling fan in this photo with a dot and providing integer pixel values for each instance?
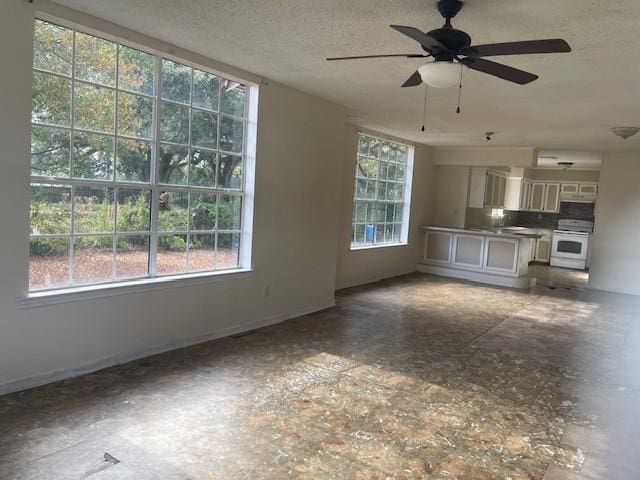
(452, 51)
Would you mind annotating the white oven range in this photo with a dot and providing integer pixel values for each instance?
(570, 244)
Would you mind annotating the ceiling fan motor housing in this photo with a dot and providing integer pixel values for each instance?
(454, 40)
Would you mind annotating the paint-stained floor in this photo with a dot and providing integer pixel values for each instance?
(413, 378)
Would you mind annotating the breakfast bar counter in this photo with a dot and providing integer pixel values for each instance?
(493, 256)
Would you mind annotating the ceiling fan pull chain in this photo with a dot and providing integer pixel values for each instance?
(460, 90)
(424, 107)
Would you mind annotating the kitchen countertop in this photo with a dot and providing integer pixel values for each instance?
(506, 232)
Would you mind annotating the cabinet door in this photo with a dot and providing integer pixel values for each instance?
(543, 249)
(569, 188)
(551, 197)
(588, 189)
(477, 187)
(495, 202)
(512, 193)
(503, 191)
(488, 191)
(525, 195)
(537, 196)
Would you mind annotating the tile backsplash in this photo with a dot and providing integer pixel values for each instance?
(481, 217)
(537, 219)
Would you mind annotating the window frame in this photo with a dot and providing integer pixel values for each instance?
(406, 197)
(153, 185)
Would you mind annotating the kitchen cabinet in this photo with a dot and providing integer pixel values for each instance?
(552, 197)
(541, 251)
(537, 197)
(513, 193)
(487, 188)
(525, 196)
(588, 189)
(570, 188)
(579, 192)
(545, 197)
(499, 198)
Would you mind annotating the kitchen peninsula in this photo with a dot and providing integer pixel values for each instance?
(493, 256)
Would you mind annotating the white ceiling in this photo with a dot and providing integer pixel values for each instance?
(578, 98)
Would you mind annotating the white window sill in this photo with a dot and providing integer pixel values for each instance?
(373, 247)
(74, 294)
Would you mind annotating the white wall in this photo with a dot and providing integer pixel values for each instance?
(356, 267)
(485, 156)
(452, 187)
(615, 256)
(297, 199)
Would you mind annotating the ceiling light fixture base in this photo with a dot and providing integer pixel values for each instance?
(449, 8)
(625, 132)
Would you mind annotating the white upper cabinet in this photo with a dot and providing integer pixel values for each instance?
(579, 192)
(525, 199)
(487, 188)
(570, 188)
(588, 189)
(552, 197)
(537, 197)
(545, 197)
(492, 188)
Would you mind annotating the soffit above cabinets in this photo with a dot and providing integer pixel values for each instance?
(580, 160)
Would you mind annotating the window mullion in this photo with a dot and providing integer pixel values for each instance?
(116, 129)
(71, 160)
(155, 170)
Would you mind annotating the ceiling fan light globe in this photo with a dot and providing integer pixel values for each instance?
(441, 74)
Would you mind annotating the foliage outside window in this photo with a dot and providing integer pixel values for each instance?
(136, 163)
(382, 189)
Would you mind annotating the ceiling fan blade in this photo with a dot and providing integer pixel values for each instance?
(423, 39)
(413, 81)
(406, 55)
(499, 70)
(554, 45)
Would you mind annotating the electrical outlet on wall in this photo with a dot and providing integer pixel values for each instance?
(267, 291)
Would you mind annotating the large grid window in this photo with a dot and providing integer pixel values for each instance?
(382, 192)
(136, 163)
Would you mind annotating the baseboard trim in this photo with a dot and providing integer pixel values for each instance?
(522, 282)
(387, 276)
(55, 376)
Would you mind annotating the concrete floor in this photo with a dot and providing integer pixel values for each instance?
(416, 377)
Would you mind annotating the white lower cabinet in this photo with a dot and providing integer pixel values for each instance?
(493, 258)
(541, 251)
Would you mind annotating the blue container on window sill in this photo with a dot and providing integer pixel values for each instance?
(369, 232)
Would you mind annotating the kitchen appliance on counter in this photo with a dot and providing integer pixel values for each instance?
(570, 244)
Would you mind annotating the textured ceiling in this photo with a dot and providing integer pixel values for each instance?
(578, 98)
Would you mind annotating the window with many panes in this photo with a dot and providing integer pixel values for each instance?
(382, 192)
(136, 163)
